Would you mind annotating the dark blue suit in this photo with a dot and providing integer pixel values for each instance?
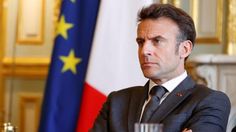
(188, 106)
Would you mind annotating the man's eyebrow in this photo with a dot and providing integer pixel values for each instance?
(158, 37)
(152, 38)
(139, 38)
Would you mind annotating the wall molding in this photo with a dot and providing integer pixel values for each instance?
(231, 28)
(30, 22)
(25, 67)
(29, 106)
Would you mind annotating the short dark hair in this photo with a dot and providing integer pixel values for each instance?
(180, 17)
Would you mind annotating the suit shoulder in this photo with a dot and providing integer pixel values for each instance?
(126, 91)
(203, 91)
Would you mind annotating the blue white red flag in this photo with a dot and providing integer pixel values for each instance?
(65, 82)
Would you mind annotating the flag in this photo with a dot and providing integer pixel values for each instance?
(113, 63)
(69, 61)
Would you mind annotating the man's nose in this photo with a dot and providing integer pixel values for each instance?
(147, 48)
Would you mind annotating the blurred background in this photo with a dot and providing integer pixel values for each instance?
(28, 29)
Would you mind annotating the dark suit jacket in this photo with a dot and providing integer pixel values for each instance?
(188, 106)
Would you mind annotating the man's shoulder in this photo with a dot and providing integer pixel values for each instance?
(127, 92)
(199, 88)
(204, 91)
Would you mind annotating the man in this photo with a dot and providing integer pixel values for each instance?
(165, 38)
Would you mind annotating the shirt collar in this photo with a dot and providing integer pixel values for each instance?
(171, 84)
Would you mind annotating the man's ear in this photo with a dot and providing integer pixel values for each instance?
(185, 48)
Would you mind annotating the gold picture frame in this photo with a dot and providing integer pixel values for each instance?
(56, 14)
(30, 25)
(29, 107)
(208, 20)
(164, 1)
(231, 28)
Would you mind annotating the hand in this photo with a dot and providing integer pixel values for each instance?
(187, 130)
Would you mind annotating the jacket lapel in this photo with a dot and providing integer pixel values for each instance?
(179, 94)
(137, 99)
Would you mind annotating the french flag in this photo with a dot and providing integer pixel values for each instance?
(113, 62)
(94, 53)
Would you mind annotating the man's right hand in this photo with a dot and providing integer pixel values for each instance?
(187, 130)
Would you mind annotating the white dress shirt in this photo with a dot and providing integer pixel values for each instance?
(169, 85)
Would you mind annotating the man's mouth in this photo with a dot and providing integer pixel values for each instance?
(148, 64)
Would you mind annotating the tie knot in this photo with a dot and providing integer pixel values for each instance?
(158, 91)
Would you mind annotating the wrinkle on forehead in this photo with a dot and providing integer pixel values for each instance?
(163, 26)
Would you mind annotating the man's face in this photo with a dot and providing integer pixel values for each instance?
(159, 59)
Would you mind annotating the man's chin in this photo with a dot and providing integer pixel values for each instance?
(149, 75)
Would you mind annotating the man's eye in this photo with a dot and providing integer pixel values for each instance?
(157, 41)
(140, 42)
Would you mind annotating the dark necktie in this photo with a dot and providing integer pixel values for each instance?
(156, 94)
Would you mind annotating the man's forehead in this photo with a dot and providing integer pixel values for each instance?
(155, 27)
